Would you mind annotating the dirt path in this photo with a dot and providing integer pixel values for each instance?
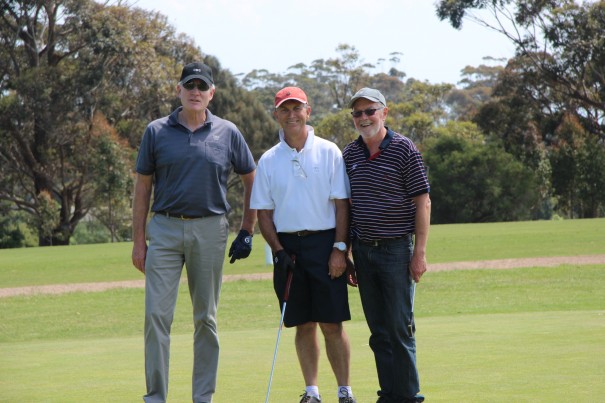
(485, 264)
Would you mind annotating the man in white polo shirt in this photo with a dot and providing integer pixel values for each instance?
(301, 192)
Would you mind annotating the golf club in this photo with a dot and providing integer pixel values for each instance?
(411, 325)
(281, 322)
(413, 295)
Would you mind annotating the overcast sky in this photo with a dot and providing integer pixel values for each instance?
(270, 34)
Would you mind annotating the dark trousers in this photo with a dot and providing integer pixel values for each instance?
(385, 287)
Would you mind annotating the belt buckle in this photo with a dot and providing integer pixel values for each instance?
(179, 216)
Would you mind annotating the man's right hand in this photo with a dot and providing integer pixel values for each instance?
(139, 253)
(283, 261)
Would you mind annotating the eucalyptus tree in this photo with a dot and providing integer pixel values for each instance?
(474, 89)
(555, 81)
(65, 66)
(559, 43)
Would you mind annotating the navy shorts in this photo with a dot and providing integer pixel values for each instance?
(314, 296)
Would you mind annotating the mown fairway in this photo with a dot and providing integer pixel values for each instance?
(528, 335)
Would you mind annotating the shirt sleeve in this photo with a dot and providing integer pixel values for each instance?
(242, 160)
(341, 188)
(145, 162)
(261, 198)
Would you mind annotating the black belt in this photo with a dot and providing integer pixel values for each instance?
(305, 232)
(181, 216)
(379, 242)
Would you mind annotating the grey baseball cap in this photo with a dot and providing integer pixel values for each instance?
(368, 93)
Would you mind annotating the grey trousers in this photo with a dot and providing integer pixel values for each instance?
(200, 245)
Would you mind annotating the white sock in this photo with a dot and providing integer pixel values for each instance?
(345, 391)
(312, 391)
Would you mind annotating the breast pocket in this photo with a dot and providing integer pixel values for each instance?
(216, 153)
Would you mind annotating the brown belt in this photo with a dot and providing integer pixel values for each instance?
(180, 216)
(305, 232)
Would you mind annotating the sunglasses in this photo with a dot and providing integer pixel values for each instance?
(368, 112)
(202, 85)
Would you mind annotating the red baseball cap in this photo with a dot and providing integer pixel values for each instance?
(288, 93)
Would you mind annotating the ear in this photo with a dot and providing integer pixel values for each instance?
(212, 91)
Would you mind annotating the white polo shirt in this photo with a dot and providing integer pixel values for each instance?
(301, 186)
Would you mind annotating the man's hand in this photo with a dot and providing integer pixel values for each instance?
(139, 253)
(282, 261)
(337, 264)
(241, 246)
(417, 266)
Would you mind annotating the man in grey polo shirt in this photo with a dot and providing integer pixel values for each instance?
(186, 159)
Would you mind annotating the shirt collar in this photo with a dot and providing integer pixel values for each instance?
(308, 143)
(383, 144)
(173, 119)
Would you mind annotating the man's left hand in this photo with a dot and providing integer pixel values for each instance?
(417, 267)
(241, 246)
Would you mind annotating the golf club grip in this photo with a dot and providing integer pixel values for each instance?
(289, 280)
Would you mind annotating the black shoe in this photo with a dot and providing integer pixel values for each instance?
(309, 399)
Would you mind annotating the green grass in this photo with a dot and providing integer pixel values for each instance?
(525, 335)
(497, 335)
(447, 243)
(466, 242)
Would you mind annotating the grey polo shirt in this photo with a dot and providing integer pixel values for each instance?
(191, 169)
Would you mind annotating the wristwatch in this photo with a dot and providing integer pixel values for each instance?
(341, 246)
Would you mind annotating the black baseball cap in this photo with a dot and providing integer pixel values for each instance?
(197, 70)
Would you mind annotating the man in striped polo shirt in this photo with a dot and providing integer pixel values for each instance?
(390, 218)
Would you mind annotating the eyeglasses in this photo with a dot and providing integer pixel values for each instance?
(368, 112)
(298, 169)
(190, 85)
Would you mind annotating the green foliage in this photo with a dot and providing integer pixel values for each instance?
(555, 82)
(90, 232)
(79, 88)
(338, 128)
(10, 234)
(328, 83)
(66, 74)
(477, 182)
(110, 166)
(578, 161)
(477, 86)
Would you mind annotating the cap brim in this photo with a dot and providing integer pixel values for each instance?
(199, 77)
(302, 101)
(373, 99)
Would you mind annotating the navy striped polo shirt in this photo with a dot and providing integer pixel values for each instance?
(382, 186)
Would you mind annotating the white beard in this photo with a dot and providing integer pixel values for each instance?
(369, 131)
